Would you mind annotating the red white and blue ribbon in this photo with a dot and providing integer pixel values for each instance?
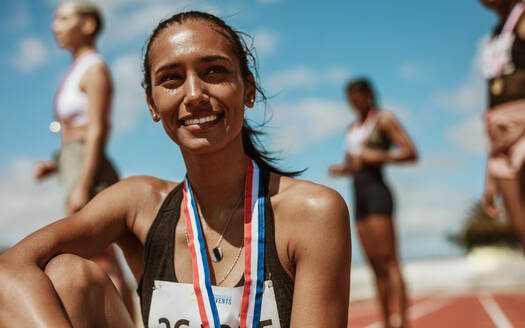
(254, 253)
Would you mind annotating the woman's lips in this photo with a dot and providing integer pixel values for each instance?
(200, 120)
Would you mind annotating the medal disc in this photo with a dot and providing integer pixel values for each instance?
(496, 88)
(54, 127)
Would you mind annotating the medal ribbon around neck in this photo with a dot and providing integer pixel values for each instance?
(254, 229)
(495, 60)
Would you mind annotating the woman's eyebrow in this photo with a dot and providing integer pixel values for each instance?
(212, 58)
(206, 59)
(167, 67)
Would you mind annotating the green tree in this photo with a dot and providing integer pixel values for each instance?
(480, 229)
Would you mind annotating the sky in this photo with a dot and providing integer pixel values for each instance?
(422, 57)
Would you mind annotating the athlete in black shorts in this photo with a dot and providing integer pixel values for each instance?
(376, 138)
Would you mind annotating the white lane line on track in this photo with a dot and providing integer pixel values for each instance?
(418, 310)
(494, 311)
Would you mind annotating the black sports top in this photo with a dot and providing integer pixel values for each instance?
(368, 173)
(514, 83)
(159, 250)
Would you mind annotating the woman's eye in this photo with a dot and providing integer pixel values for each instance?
(216, 70)
(168, 78)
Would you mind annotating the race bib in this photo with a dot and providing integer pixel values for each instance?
(174, 305)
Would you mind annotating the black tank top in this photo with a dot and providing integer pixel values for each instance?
(514, 83)
(159, 250)
(379, 140)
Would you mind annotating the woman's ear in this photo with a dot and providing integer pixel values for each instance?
(152, 109)
(249, 92)
(89, 26)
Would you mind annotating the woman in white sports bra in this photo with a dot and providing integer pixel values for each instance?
(238, 243)
(82, 113)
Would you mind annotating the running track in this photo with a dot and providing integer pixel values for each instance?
(483, 310)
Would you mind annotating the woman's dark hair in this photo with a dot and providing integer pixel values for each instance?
(252, 146)
(361, 85)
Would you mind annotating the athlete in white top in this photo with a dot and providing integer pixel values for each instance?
(82, 110)
(71, 102)
(84, 99)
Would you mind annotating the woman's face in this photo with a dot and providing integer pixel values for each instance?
(197, 89)
(67, 26)
(360, 101)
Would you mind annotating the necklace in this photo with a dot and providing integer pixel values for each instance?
(217, 254)
(232, 266)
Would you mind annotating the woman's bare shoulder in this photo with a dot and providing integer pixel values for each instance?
(313, 222)
(143, 196)
(147, 184)
(143, 190)
(304, 200)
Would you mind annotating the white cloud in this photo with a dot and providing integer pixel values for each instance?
(313, 121)
(130, 103)
(31, 54)
(144, 15)
(469, 135)
(423, 209)
(265, 42)
(410, 71)
(336, 75)
(427, 166)
(26, 205)
(303, 77)
(471, 95)
(144, 21)
(293, 78)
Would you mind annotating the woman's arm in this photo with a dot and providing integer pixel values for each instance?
(28, 298)
(489, 193)
(321, 251)
(97, 85)
(404, 151)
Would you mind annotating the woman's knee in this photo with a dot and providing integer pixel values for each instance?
(380, 268)
(74, 274)
(386, 267)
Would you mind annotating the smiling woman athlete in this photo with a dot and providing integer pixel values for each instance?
(238, 243)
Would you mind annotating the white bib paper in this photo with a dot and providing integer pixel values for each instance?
(174, 305)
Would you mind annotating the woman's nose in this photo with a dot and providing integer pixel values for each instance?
(195, 92)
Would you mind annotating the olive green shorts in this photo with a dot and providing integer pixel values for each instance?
(70, 161)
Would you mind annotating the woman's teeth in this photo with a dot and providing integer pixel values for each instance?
(201, 120)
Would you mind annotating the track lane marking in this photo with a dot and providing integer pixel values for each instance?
(494, 311)
(420, 309)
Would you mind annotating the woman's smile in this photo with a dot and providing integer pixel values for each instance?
(202, 122)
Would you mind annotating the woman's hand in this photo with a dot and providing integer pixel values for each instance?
(349, 166)
(336, 170)
(43, 169)
(489, 194)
